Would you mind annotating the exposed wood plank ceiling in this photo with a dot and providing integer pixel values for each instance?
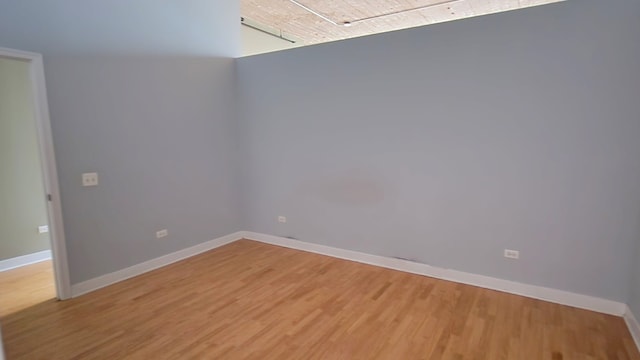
(366, 16)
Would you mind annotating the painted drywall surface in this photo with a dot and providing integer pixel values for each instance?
(22, 197)
(159, 133)
(449, 143)
(634, 298)
(155, 121)
(256, 42)
(196, 27)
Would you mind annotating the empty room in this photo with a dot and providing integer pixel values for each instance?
(262, 179)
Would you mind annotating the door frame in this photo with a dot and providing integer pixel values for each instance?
(48, 165)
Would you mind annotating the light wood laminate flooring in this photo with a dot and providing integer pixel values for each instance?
(249, 300)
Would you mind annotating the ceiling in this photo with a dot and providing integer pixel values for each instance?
(318, 21)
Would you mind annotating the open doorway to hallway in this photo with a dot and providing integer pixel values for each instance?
(26, 272)
(30, 267)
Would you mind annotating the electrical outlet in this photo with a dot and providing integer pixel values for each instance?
(511, 254)
(282, 219)
(162, 233)
(43, 229)
(90, 179)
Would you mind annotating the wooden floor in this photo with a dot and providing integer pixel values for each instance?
(26, 286)
(249, 300)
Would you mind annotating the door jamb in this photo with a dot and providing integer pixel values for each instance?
(48, 165)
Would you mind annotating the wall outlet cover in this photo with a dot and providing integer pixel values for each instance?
(90, 179)
(511, 254)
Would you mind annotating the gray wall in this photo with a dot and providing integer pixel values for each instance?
(143, 93)
(444, 144)
(189, 27)
(449, 143)
(22, 196)
(634, 298)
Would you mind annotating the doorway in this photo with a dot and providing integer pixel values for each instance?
(31, 229)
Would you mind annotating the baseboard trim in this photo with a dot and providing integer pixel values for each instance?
(24, 260)
(633, 325)
(139, 269)
(532, 291)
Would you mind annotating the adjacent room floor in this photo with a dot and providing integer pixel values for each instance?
(249, 300)
(25, 287)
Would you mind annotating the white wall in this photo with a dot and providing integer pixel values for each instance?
(449, 143)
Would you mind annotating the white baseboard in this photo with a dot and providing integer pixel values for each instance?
(23, 260)
(139, 269)
(512, 287)
(537, 292)
(633, 325)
